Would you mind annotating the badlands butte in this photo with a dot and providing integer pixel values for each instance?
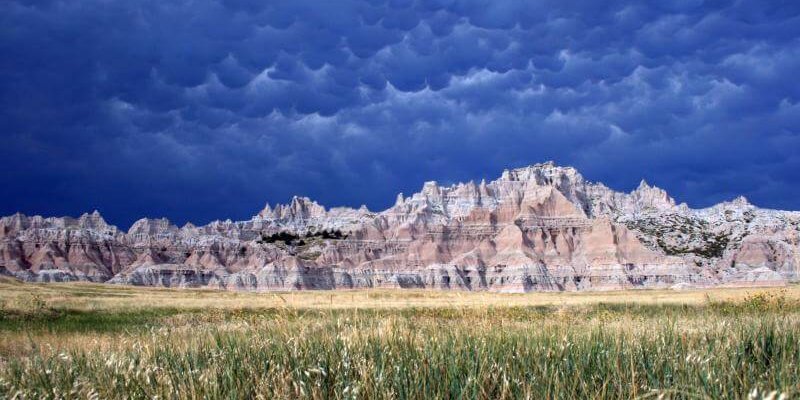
(538, 228)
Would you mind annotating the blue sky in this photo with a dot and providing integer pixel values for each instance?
(198, 110)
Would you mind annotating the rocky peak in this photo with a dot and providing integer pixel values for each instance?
(483, 190)
(741, 201)
(297, 207)
(93, 221)
(152, 227)
(648, 197)
(265, 213)
(302, 214)
(18, 221)
(431, 189)
(566, 180)
(547, 173)
(12, 224)
(739, 204)
(301, 208)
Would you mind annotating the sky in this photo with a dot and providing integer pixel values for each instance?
(201, 110)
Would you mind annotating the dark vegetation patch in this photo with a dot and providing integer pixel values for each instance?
(311, 255)
(300, 240)
(676, 235)
(60, 321)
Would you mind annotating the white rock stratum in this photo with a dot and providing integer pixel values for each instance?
(542, 227)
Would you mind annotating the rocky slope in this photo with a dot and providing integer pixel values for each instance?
(542, 227)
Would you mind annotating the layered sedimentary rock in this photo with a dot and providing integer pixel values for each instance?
(542, 227)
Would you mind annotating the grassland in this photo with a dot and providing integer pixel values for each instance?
(83, 341)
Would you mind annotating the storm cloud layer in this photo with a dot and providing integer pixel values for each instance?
(198, 110)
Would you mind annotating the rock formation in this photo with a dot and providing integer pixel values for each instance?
(543, 227)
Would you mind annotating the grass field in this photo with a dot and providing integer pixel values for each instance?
(100, 341)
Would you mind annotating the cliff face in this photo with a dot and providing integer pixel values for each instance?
(541, 227)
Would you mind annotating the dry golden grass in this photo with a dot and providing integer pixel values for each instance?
(82, 340)
(93, 297)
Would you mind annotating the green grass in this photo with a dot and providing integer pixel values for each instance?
(715, 349)
(53, 320)
(83, 321)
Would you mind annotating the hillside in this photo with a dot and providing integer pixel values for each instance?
(538, 228)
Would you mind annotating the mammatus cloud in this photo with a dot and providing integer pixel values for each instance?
(201, 109)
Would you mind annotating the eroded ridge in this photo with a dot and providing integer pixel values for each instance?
(542, 227)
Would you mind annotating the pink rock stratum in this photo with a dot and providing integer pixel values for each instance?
(541, 227)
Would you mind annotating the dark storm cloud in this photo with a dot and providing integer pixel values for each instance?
(204, 109)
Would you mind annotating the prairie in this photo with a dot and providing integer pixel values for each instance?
(102, 341)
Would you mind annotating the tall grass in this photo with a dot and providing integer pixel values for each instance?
(716, 350)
